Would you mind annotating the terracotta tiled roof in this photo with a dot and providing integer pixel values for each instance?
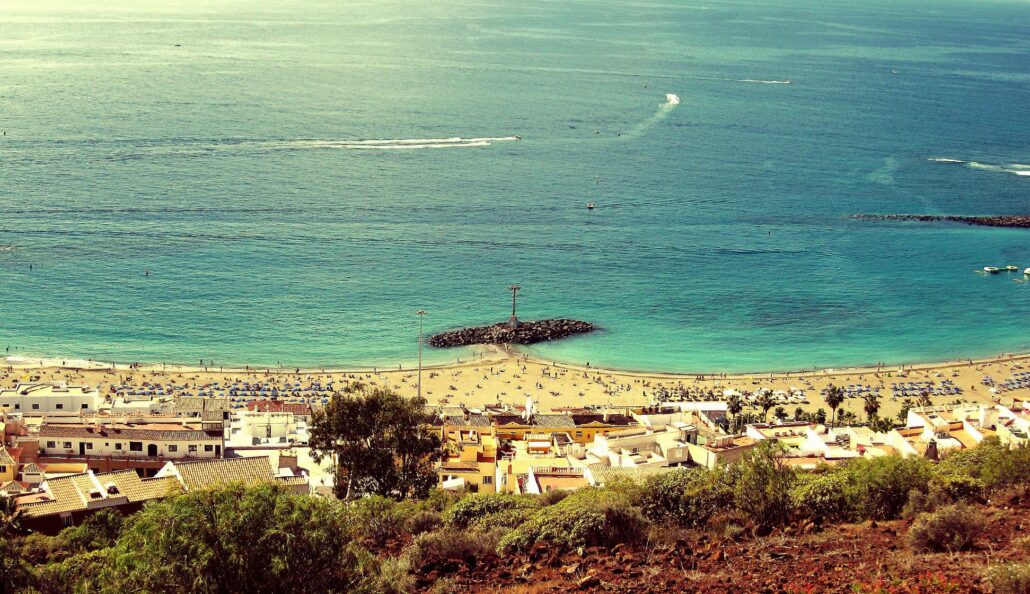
(6, 458)
(201, 474)
(74, 492)
(125, 432)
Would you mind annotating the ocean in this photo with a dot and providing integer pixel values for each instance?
(259, 182)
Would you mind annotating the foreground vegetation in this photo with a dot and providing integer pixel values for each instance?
(265, 539)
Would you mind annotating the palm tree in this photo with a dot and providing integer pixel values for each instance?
(734, 405)
(765, 402)
(10, 517)
(834, 396)
(872, 405)
(924, 399)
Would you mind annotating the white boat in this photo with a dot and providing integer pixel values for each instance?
(1027, 272)
(1011, 268)
(991, 269)
(590, 206)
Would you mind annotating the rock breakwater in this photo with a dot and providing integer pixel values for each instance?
(524, 333)
(1021, 221)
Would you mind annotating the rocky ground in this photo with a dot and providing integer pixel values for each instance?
(807, 558)
(524, 333)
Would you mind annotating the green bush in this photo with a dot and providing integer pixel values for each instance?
(827, 496)
(589, 517)
(882, 485)
(476, 508)
(1013, 578)
(376, 519)
(950, 528)
(462, 546)
(393, 577)
(552, 497)
(422, 521)
(763, 484)
(995, 464)
(687, 496)
(505, 520)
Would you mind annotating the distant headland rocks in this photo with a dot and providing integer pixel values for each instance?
(506, 333)
(1019, 221)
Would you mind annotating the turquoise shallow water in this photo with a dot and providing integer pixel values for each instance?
(213, 145)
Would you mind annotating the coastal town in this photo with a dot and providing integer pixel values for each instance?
(80, 440)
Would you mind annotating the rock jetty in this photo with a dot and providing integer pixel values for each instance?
(1021, 221)
(524, 333)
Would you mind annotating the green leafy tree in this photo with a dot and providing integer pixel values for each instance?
(834, 396)
(733, 406)
(380, 443)
(237, 539)
(820, 416)
(14, 572)
(924, 399)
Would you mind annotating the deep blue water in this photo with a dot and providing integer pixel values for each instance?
(208, 143)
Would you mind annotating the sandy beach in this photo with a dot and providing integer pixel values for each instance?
(497, 375)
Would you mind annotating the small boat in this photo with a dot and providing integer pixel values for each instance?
(590, 206)
(1011, 268)
(1027, 272)
(991, 269)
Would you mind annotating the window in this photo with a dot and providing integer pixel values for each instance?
(60, 406)
(118, 446)
(3, 468)
(88, 445)
(488, 480)
(579, 434)
(135, 446)
(35, 407)
(17, 407)
(173, 448)
(208, 448)
(193, 449)
(85, 406)
(51, 444)
(67, 445)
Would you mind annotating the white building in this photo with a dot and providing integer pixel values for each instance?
(39, 399)
(254, 429)
(142, 440)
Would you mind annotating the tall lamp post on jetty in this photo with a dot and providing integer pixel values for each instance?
(421, 315)
(514, 321)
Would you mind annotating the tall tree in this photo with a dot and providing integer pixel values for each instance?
(734, 406)
(872, 405)
(765, 402)
(833, 396)
(380, 443)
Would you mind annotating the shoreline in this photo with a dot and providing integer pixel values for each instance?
(498, 353)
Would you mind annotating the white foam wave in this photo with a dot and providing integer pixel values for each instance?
(205, 148)
(672, 99)
(764, 82)
(1012, 168)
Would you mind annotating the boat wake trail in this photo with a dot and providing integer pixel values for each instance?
(763, 82)
(201, 148)
(671, 101)
(1013, 168)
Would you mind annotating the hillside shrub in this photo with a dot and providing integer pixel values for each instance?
(882, 485)
(590, 517)
(1013, 578)
(478, 507)
(422, 521)
(763, 484)
(460, 546)
(505, 520)
(377, 519)
(688, 496)
(827, 496)
(951, 528)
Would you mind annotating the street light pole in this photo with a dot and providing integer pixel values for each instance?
(514, 290)
(421, 315)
